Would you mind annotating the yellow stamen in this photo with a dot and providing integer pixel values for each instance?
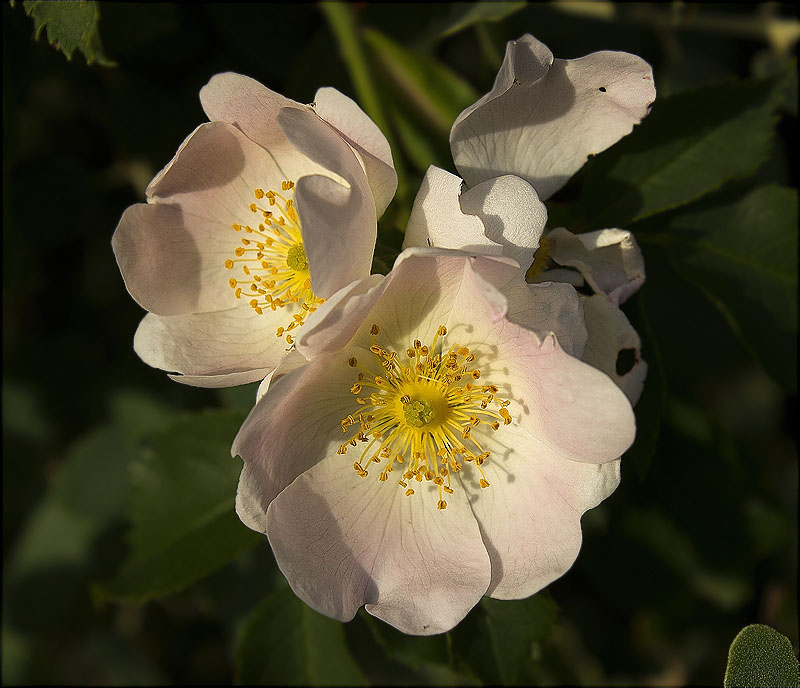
(426, 409)
(274, 259)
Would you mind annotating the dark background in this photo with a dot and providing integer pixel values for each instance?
(673, 565)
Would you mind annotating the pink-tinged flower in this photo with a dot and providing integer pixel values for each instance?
(504, 216)
(544, 116)
(263, 213)
(441, 443)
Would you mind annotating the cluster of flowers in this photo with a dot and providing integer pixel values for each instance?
(430, 436)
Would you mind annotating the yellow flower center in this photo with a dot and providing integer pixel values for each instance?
(421, 414)
(273, 260)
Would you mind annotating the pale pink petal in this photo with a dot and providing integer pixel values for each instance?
(343, 541)
(548, 307)
(570, 407)
(437, 219)
(332, 325)
(250, 106)
(365, 138)
(225, 380)
(294, 425)
(609, 259)
(172, 250)
(530, 513)
(339, 222)
(610, 332)
(565, 275)
(544, 117)
(512, 215)
(214, 345)
(291, 361)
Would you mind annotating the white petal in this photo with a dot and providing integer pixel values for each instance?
(343, 541)
(365, 137)
(530, 513)
(293, 426)
(548, 307)
(544, 117)
(250, 106)
(512, 215)
(339, 222)
(610, 332)
(214, 344)
(438, 220)
(609, 259)
(172, 251)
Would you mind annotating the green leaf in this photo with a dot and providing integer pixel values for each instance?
(761, 657)
(285, 642)
(465, 14)
(650, 407)
(184, 525)
(70, 26)
(688, 146)
(743, 257)
(433, 89)
(501, 638)
(89, 490)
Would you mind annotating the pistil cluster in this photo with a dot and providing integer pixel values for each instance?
(273, 260)
(421, 413)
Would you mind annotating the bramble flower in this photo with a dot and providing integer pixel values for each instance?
(263, 213)
(504, 216)
(544, 116)
(441, 443)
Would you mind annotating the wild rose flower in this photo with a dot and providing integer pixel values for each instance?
(504, 216)
(263, 213)
(545, 116)
(440, 445)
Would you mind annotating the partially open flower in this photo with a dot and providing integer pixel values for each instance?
(545, 116)
(262, 214)
(504, 216)
(440, 445)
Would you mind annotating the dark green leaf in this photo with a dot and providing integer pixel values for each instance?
(650, 407)
(70, 26)
(465, 14)
(743, 256)
(437, 92)
(182, 509)
(761, 657)
(500, 639)
(688, 146)
(285, 642)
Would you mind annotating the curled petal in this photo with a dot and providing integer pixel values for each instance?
(544, 116)
(338, 220)
(365, 138)
(438, 220)
(609, 259)
(610, 334)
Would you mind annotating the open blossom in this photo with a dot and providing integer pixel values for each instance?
(545, 116)
(441, 443)
(504, 216)
(263, 213)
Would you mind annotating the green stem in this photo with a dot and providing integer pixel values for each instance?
(342, 20)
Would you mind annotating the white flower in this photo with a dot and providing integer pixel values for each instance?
(264, 212)
(544, 117)
(440, 444)
(504, 216)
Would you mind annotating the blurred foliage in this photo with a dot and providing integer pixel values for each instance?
(119, 481)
